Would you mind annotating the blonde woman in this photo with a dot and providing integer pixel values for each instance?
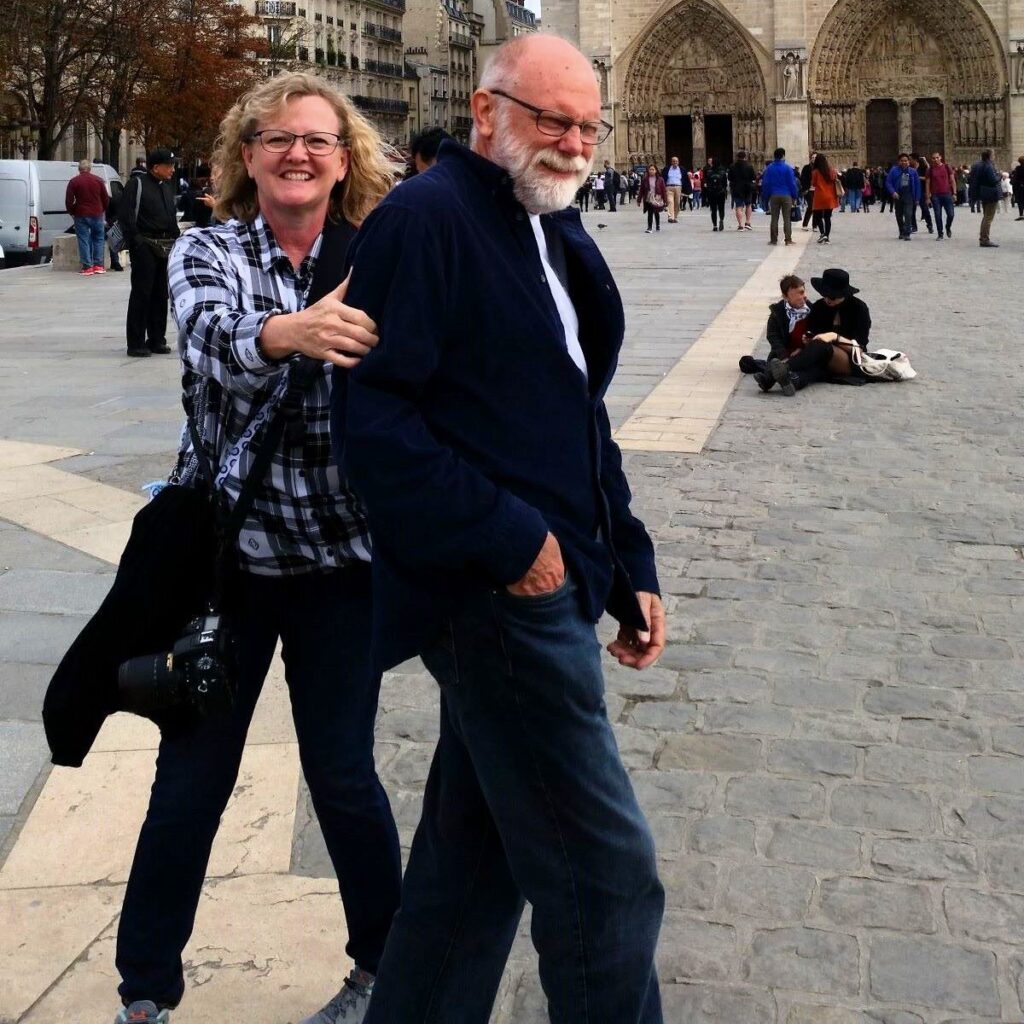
(299, 169)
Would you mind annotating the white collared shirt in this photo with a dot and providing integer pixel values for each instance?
(566, 310)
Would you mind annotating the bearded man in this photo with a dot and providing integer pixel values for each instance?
(477, 436)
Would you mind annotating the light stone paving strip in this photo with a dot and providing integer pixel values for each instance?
(680, 414)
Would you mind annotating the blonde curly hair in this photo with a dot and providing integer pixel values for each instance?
(369, 176)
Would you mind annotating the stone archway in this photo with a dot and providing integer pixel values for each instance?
(694, 69)
(939, 61)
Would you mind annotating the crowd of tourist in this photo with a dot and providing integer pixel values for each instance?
(912, 187)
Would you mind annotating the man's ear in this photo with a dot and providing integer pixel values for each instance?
(484, 111)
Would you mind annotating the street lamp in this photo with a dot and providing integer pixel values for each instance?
(21, 135)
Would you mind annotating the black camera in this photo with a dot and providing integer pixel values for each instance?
(197, 674)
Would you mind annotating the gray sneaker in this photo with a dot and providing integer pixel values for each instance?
(142, 1011)
(349, 1006)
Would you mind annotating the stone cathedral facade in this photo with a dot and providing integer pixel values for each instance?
(856, 79)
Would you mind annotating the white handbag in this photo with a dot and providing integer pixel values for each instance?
(882, 364)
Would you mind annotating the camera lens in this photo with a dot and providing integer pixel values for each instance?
(148, 684)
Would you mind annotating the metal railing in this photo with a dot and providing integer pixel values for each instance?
(376, 105)
(380, 67)
(275, 9)
(388, 35)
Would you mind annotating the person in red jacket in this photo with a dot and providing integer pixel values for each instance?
(86, 200)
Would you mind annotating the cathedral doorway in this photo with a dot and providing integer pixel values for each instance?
(883, 132)
(693, 85)
(927, 127)
(939, 63)
(678, 140)
(718, 137)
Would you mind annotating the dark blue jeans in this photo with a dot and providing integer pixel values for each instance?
(527, 798)
(940, 203)
(91, 234)
(323, 621)
(905, 208)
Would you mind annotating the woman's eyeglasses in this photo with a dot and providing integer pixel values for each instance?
(277, 140)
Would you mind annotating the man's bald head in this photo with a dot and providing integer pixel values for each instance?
(526, 76)
(541, 61)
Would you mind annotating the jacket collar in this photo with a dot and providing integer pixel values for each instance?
(490, 175)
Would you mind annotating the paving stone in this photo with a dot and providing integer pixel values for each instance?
(893, 763)
(26, 637)
(987, 817)
(985, 917)
(973, 647)
(774, 798)
(54, 593)
(637, 747)
(812, 757)
(1008, 738)
(756, 719)
(716, 753)
(696, 658)
(691, 883)
(664, 716)
(22, 688)
(1004, 867)
(691, 948)
(674, 792)
(845, 728)
(867, 903)
(953, 734)
(815, 693)
(881, 807)
(911, 701)
(707, 1004)
(23, 754)
(778, 894)
(928, 972)
(997, 774)
(655, 682)
(742, 687)
(928, 859)
(806, 959)
(722, 836)
(816, 846)
(934, 671)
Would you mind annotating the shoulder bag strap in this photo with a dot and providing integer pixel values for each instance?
(302, 373)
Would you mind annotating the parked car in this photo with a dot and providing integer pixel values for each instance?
(32, 204)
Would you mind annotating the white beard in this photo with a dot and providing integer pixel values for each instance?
(534, 187)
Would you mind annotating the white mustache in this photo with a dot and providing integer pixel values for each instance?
(554, 160)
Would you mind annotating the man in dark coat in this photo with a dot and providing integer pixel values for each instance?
(984, 184)
(805, 187)
(477, 436)
(151, 225)
(612, 185)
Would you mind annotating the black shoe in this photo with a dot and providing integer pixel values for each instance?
(779, 369)
(748, 364)
(764, 381)
(949, 231)
(116, 268)
(159, 350)
(989, 245)
(140, 353)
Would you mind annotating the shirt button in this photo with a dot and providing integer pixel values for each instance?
(543, 279)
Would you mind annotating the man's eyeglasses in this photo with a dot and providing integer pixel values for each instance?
(277, 140)
(551, 122)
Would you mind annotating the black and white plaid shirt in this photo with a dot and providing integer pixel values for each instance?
(225, 281)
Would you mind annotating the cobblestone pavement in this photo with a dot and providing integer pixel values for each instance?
(830, 750)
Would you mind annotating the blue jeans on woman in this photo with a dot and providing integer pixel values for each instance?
(323, 620)
(527, 799)
(91, 234)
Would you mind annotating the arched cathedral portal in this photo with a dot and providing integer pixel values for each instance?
(694, 87)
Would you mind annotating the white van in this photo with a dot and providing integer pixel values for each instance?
(32, 204)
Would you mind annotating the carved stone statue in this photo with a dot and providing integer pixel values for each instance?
(990, 123)
(791, 77)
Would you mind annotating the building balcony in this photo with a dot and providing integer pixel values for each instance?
(387, 35)
(462, 39)
(376, 105)
(462, 124)
(390, 5)
(379, 67)
(275, 9)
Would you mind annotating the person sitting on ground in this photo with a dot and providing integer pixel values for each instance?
(812, 343)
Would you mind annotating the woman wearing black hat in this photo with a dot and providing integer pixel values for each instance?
(836, 320)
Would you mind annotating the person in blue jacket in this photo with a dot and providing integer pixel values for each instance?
(779, 186)
(904, 185)
(476, 434)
